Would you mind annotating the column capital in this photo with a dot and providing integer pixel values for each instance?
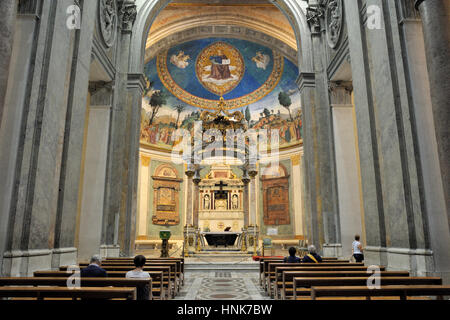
(127, 15)
(295, 159)
(145, 160)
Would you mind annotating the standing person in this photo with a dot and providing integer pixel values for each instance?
(143, 293)
(312, 256)
(292, 258)
(94, 268)
(357, 249)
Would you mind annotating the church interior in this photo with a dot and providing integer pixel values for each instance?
(211, 137)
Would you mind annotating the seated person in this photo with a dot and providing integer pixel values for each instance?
(292, 258)
(94, 270)
(139, 262)
(312, 256)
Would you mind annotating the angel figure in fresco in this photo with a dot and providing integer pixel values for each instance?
(261, 60)
(180, 60)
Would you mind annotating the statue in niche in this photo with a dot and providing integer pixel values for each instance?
(206, 202)
(235, 202)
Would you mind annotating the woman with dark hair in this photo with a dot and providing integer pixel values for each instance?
(357, 249)
(139, 262)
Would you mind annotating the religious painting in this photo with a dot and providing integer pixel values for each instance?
(166, 186)
(191, 77)
(220, 67)
(275, 185)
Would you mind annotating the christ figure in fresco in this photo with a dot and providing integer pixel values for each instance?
(220, 67)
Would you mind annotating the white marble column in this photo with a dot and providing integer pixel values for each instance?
(436, 32)
(296, 181)
(8, 10)
(252, 207)
(347, 166)
(143, 196)
(91, 214)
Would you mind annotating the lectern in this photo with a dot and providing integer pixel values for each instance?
(165, 236)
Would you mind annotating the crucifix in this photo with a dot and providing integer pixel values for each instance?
(221, 193)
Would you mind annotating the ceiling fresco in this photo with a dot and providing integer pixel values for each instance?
(191, 77)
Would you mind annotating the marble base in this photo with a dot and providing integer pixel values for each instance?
(64, 257)
(23, 263)
(419, 262)
(332, 250)
(109, 251)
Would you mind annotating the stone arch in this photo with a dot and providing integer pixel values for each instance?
(149, 9)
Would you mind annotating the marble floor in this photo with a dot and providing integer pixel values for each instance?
(221, 285)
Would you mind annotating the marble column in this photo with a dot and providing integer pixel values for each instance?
(347, 165)
(246, 204)
(436, 31)
(195, 205)
(8, 10)
(296, 181)
(93, 188)
(143, 196)
(189, 206)
(252, 206)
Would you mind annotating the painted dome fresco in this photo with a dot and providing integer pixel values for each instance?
(191, 77)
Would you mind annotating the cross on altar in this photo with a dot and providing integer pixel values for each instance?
(221, 193)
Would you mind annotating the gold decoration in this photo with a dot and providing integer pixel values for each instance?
(145, 161)
(295, 160)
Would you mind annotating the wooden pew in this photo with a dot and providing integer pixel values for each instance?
(305, 282)
(402, 291)
(159, 280)
(124, 259)
(169, 271)
(277, 275)
(84, 282)
(264, 267)
(63, 292)
(130, 263)
(289, 275)
(270, 276)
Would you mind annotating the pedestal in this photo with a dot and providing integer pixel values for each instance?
(165, 248)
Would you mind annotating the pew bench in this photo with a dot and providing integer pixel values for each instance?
(289, 275)
(63, 292)
(129, 263)
(264, 266)
(271, 275)
(402, 291)
(168, 270)
(300, 283)
(159, 281)
(84, 282)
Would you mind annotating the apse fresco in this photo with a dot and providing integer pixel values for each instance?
(191, 77)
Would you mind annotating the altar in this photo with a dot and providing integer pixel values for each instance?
(225, 238)
(221, 202)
